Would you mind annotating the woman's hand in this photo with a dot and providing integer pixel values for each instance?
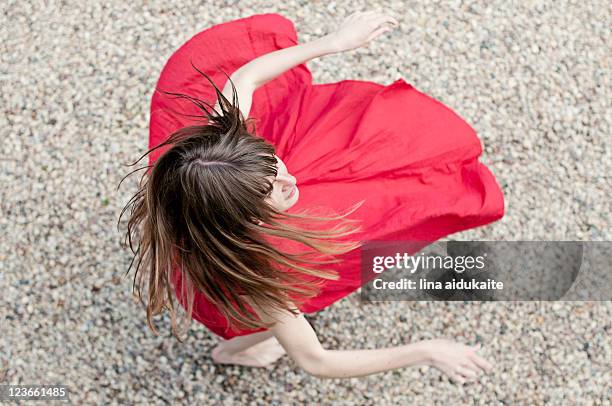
(460, 362)
(359, 28)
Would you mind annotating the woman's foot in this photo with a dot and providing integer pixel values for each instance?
(261, 354)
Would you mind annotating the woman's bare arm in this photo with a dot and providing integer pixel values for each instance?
(268, 66)
(298, 338)
(260, 70)
(355, 31)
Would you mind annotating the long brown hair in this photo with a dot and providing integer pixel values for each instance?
(200, 208)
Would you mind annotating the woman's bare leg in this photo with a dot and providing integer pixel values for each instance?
(254, 350)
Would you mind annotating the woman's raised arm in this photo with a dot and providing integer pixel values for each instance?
(354, 31)
(268, 66)
(260, 70)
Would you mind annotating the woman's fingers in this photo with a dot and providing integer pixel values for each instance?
(457, 378)
(381, 25)
(472, 365)
(385, 15)
(380, 29)
(378, 15)
(373, 15)
(377, 33)
(481, 362)
(466, 372)
(384, 19)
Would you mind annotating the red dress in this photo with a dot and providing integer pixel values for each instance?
(412, 158)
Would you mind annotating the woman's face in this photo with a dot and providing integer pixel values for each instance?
(285, 192)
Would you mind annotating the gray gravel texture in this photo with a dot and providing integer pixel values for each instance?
(532, 78)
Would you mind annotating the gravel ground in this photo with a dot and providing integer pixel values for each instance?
(531, 77)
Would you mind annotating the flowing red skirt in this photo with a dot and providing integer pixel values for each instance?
(413, 160)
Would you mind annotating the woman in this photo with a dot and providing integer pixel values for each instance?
(214, 213)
